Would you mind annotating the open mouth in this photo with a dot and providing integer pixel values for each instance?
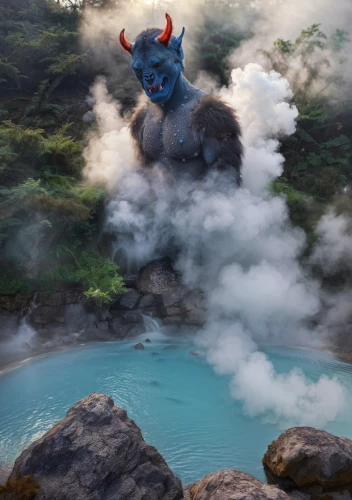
(153, 89)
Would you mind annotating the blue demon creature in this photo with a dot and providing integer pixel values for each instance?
(180, 126)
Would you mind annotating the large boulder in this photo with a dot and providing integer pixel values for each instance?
(97, 453)
(180, 305)
(306, 457)
(159, 278)
(234, 485)
(129, 300)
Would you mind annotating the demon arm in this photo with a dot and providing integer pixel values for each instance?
(219, 133)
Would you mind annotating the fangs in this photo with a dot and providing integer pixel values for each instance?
(155, 88)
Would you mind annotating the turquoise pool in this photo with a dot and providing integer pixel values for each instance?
(182, 407)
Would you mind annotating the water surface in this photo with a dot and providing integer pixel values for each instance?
(182, 407)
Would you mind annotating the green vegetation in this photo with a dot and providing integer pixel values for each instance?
(98, 276)
(50, 219)
(45, 205)
(318, 156)
(214, 42)
(24, 488)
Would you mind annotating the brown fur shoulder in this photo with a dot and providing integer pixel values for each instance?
(212, 117)
(219, 131)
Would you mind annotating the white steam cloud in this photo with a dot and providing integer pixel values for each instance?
(109, 153)
(236, 244)
(334, 251)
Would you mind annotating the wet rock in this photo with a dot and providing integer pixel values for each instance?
(298, 495)
(45, 314)
(60, 298)
(124, 330)
(159, 278)
(130, 299)
(127, 324)
(131, 317)
(176, 321)
(234, 485)
(148, 341)
(139, 346)
(96, 331)
(309, 457)
(97, 453)
(194, 306)
(16, 302)
(149, 300)
(174, 311)
(186, 488)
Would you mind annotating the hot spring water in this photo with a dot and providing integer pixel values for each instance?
(182, 407)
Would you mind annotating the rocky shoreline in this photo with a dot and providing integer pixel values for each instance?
(53, 320)
(97, 453)
(66, 318)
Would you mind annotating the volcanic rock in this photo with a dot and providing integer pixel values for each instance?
(308, 457)
(97, 453)
(159, 278)
(194, 306)
(139, 346)
(130, 299)
(234, 485)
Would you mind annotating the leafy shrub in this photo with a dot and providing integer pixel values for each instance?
(10, 284)
(97, 274)
(297, 202)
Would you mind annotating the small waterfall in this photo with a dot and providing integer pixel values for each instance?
(151, 324)
(25, 337)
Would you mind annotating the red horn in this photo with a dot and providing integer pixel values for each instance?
(165, 36)
(125, 44)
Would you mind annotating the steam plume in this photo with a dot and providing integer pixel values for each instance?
(236, 244)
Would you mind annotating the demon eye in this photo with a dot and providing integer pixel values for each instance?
(158, 64)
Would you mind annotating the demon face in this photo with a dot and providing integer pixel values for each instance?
(157, 61)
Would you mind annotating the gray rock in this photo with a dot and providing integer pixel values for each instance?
(310, 457)
(159, 278)
(60, 298)
(195, 308)
(186, 488)
(131, 317)
(96, 331)
(234, 485)
(174, 311)
(97, 453)
(122, 329)
(149, 300)
(130, 299)
(298, 495)
(139, 346)
(45, 314)
(14, 302)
